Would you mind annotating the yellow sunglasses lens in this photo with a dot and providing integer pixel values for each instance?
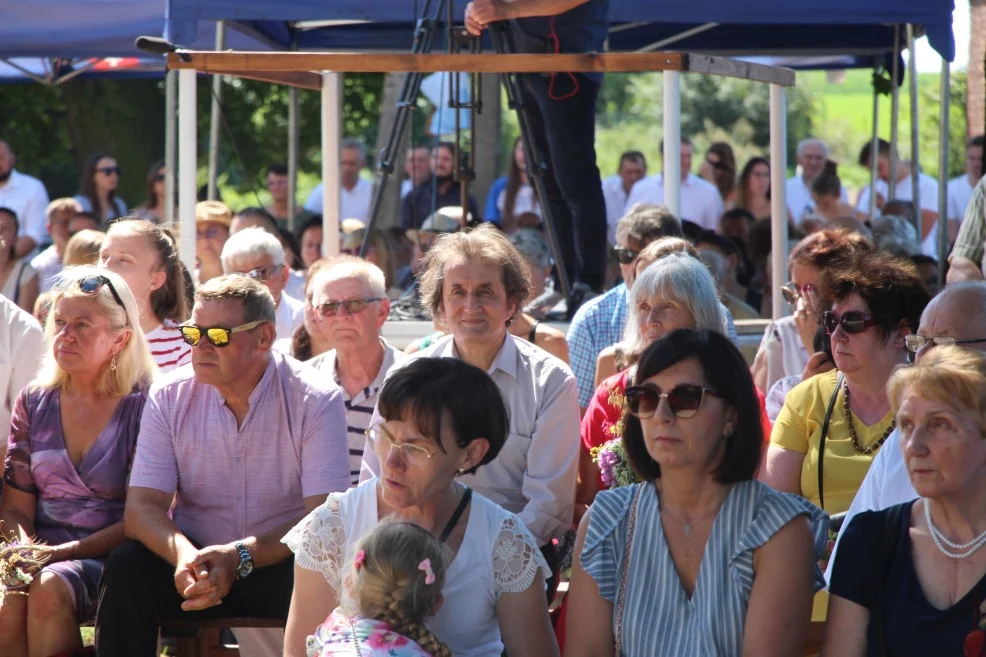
(191, 334)
(218, 336)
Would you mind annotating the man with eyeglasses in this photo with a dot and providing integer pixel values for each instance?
(255, 253)
(234, 449)
(957, 316)
(349, 300)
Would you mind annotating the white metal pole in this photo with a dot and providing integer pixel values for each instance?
(943, 146)
(187, 165)
(894, 115)
(170, 144)
(331, 137)
(912, 73)
(217, 91)
(778, 205)
(874, 156)
(672, 141)
(293, 137)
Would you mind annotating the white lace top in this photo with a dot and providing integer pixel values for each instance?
(497, 555)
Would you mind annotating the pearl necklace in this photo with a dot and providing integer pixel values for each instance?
(941, 541)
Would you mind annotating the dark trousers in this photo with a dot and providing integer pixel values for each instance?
(550, 554)
(565, 133)
(137, 594)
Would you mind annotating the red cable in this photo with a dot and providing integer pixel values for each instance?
(553, 36)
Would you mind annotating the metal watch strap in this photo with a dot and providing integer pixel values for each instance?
(245, 558)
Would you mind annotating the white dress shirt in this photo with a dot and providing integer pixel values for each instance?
(290, 314)
(700, 199)
(616, 204)
(27, 197)
(904, 191)
(959, 196)
(886, 484)
(534, 474)
(406, 186)
(48, 264)
(353, 203)
(797, 195)
(22, 347)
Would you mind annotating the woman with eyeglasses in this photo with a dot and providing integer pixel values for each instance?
(100, 178)
(146, 256)
(153, 208)
(72, 439)
(18, 279)
(440, 418)
(698, 558)
(788, 342)
(719, 168)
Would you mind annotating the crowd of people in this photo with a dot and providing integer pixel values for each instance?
(240, 441)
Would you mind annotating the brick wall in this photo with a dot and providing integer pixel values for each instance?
(976, 109)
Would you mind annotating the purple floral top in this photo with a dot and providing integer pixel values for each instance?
(355, 636)
(72, 502)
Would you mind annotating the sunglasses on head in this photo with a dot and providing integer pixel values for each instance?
(217, 335)
(624, 255)
(851, 321)
(684, 400)
(92, 284)
(109, 171)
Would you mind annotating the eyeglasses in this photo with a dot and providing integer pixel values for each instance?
(684, 400)
(352, 306)
(109, 171)
(209, 233)
(624, 255)
(410, 453)
(262, 273)
(217, 335)
(916, 343)
(791, 292)
(851, 321)
(159, 177)
(91, 285)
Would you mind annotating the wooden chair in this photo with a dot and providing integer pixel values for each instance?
(201, 638)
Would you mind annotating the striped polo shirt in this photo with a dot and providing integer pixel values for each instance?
(167, 347)
(359, 407)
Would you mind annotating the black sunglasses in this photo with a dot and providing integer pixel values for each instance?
(624, 255)
(851, 321)
(109, 171)
(684, 400)
(91, 285)
(217, 335)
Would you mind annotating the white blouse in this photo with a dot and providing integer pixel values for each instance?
(498, 555)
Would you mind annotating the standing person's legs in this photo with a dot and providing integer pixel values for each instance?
(137, 595)
(570, 132)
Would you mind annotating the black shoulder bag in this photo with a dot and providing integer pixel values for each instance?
(821, 440)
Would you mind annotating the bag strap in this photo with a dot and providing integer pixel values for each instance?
(625, 575)
(456, 515)
(821, 441)
(890, 541)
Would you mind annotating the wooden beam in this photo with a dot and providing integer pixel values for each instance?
(303, 79)
(734, 68)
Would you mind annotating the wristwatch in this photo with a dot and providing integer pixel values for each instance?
(246, 561)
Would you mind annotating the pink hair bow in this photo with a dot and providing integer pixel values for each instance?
(360, 558)
(425, 567)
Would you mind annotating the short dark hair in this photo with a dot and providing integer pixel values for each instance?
(738, 213)
(265, 217)
(647, 222)
(426, 388)
(13, 215)
(447, 145)
(974, 142)
(315, 221)
(633, 156)
(728, 374)
(883, 148)
(889, 285)
(919, 259)
(277, 169)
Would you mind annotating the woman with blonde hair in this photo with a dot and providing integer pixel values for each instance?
(73, 433)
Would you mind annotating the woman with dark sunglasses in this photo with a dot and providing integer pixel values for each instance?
(832, 425)
(153, 208)
(733, 560)
(100, 179)
(73, 434)
(719, 168)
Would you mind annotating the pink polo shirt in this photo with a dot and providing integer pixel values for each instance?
(234, 482)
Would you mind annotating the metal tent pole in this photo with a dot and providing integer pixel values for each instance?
(217, 91)
(187, 165)
(874, 145)
(778, 204)
(943, 146)
(293, 139)
(912, 73)
(894, 115)
(331, 137)
(672, 141)
(170, 143)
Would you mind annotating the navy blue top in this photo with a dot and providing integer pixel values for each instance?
(912, 627)
(582, 29)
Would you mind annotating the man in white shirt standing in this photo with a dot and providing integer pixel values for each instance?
(960, 189)
(48, 263)
(904, 191)
(616, 189)
(812, 154)
(355, 193)
(256, 253)
(22, 347)
(701, 202)
(27, 197)
(957, 315)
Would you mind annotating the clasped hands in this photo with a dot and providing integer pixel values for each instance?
(479, 13)
(204, 577)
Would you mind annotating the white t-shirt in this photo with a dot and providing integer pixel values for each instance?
(167, 347)
(22, 347)
(700, 199)
(524, 202)
(406, 187)
(48, 264)
(498, 555)
(353, 203)
(886, 484)
(616, 204)
(290, 314)
(27, 197)
(785, 352)
(959, 196)
(904, 191)
(797, 195)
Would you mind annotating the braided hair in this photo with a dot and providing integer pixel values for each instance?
(389, 581)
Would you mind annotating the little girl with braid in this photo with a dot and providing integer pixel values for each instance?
(395, 583)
